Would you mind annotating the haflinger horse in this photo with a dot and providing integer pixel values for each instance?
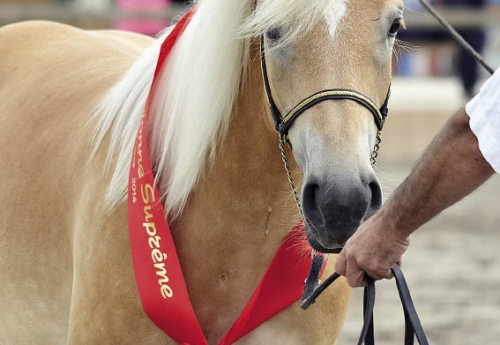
(72, 116)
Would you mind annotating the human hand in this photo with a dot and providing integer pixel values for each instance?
(372, 250)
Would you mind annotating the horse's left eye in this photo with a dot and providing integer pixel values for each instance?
(396, 25)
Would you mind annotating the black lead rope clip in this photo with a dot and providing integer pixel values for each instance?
(312, 282)
(413, 327)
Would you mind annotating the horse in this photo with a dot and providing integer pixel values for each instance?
(72, 103)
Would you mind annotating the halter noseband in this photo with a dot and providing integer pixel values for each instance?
(283, 124)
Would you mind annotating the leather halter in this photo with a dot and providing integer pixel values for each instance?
(283, 124)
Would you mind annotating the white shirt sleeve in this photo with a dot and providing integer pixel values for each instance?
(484, 113)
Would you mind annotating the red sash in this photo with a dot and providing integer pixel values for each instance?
(158, 274)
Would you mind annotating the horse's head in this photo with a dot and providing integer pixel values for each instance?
(349, 46)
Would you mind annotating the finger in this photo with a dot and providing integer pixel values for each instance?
(354, 274)
(356, 279)
(379, 273)
(386, 274)
(375, 269)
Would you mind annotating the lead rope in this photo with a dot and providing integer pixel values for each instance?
(456, 36)
(413, 327)
(313, 281)
(289, 176)
(376, 147)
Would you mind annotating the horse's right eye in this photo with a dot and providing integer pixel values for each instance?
(396, 25)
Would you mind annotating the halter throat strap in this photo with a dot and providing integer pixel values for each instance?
(283, 124)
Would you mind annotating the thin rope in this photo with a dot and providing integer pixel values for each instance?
(376, 147)
(289, 176)
(456, 36)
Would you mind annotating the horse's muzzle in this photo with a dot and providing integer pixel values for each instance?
(333, 212)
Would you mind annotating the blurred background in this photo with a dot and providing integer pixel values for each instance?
(453, 264)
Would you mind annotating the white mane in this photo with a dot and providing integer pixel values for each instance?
(196, 91)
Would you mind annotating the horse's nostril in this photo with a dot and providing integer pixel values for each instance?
(376, 192)
(311, 204)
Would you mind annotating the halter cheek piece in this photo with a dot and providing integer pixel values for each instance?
(283, 124)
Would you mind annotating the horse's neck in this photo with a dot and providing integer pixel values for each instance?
(238, 214)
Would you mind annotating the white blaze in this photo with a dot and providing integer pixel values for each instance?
(334, 15)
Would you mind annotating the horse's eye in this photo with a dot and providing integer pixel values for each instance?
(396, 25)
(274, 34)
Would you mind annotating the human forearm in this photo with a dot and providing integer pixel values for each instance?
(450, 168)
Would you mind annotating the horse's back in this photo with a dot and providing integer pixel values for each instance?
(52, 76)
(62, 59)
